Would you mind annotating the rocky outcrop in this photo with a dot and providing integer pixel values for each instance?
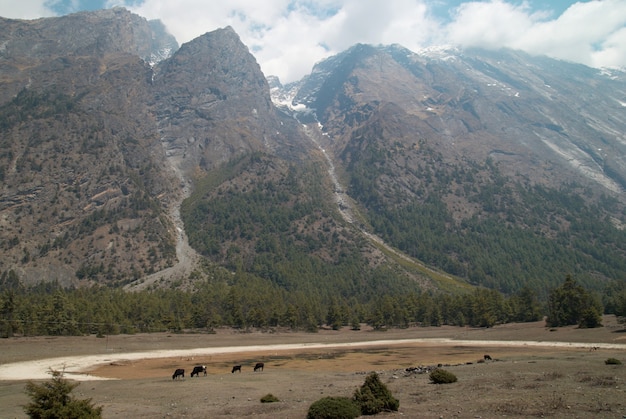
(213, 103)
(84, 177)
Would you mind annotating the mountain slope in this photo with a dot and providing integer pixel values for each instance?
(412, 170)
(506, 105)
(498, 167)
(83, 173)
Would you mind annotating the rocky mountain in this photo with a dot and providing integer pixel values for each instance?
(516, 109)
(499, 143)
(105, 123)
(84, 178)
(212, 102)
(384, 169)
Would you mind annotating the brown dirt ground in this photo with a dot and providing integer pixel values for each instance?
(521, 381)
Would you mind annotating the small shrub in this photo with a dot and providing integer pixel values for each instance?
(374, 397)
(269, 398)
(599, 381)
(334, 408)
(613, 361)
(439, 376)
(549, 376)
(556, 402)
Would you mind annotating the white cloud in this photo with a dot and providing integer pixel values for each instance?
(24, 9)
(612, 52)
(489, 25)
(587, 33)
(288, 36)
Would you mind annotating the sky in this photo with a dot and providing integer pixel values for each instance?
(287, 37)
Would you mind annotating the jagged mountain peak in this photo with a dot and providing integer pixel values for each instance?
(85, 33)
(210, 85)
(225, 37)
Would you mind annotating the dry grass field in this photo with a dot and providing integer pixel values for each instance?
(535, 371)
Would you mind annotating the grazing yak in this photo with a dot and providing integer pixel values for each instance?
(487, 357)
(178, 373)
(236, 368)
(197, 370)
(259, 366)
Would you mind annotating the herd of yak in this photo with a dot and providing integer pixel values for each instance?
(180, 372)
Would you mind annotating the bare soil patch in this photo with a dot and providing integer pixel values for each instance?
(558, 373)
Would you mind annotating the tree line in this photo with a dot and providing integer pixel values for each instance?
(241, 301)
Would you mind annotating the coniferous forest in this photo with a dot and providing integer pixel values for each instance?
(276, 256)
(242, 301)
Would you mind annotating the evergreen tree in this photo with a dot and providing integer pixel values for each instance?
(333, 317)
(374, 397)
(571, 304)
(7, 307)
(525, 306)
(52, 400)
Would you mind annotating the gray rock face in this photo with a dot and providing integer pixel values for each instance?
(86, 33)
(25, 45)
(213, 103)
(543, 119)
(84, 179)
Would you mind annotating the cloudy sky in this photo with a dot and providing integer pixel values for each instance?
(288, 36)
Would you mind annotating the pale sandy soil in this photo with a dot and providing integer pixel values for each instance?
(536, 372)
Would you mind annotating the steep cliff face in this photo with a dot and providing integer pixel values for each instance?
(32, 50)
(213, 103)
(83, 174)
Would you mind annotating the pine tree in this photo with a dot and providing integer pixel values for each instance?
(571, 304)
(52, 400)
(374, 397)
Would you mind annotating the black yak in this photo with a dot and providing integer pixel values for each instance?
(198, 369)
(178, 373)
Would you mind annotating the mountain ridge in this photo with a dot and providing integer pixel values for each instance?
(503, 87)
(451, 158)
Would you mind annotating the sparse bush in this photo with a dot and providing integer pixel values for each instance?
(374, 397)
(269, 398)
(599, 381)
(52, 399)
(334, 408)
(549, 376)
(613, 361)
(440, 376)
(556, 402)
